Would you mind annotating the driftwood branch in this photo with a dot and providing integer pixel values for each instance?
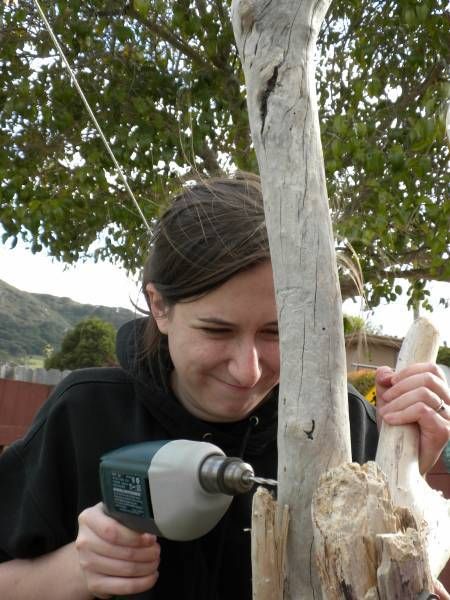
(398, 457)
(380, 531)
(269, 535)
(276, 41)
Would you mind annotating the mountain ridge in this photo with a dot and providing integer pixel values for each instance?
(30, 322)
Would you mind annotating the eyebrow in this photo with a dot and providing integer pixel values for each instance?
(223, 322)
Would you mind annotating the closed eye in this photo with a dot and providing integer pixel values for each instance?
(215, 329)
(271, 332)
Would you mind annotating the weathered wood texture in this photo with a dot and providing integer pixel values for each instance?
(378, 528)
(276, 41)
(398, 457)
(354, 519)
(269, 535)
(403, 566)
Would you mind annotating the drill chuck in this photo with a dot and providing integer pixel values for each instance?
(225, 475)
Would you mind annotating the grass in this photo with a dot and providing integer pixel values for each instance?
(34, 361)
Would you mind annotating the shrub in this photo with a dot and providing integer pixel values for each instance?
(90, 344)
(443, 357)
(364, 381)
(353, 324)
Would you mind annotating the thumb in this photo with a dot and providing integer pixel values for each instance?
(440, 590)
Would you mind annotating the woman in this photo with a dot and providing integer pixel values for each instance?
(203, 365)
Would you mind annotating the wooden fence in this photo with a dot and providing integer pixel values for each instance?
(19, 402)
(21, 373)
(23, 390)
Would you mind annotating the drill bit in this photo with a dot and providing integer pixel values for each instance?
(263, 481)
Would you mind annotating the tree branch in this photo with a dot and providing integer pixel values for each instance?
(349, 290)
(164, 33)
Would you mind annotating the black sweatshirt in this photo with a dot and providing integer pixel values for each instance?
(51, 475)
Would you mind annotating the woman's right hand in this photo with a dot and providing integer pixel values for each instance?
(115, 560)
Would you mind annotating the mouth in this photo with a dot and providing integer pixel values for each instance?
(235, 387)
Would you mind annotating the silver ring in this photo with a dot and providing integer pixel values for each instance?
(441, 406)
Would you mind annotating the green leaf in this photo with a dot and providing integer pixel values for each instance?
(375, 87)
(409, 16)
(397, 158)
(340, 125)
(123, 32)
(422, 11)
(142, 7)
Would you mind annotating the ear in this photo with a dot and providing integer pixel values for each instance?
(158, 307)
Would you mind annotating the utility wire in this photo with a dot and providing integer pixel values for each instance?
(91, 114)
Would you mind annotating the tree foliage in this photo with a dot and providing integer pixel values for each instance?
(91, 343)
(353, 324)
(443, 357)
(165, 82)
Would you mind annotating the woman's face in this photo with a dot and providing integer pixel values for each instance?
(224, 346)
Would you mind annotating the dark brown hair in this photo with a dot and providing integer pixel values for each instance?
(212, 230)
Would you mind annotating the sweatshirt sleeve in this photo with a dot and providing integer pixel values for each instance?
(51, 475)
(34, 511)
(42, 475)
(363, 427)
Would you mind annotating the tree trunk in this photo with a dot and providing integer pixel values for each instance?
(276, 41)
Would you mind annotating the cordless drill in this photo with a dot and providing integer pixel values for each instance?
(176, 489)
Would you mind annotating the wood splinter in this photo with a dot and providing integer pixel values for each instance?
(269, 535)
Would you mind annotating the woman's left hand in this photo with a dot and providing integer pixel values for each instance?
(440, 590)
(417, 394)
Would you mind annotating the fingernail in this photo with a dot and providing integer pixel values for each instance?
(387, 375)
(386, 369)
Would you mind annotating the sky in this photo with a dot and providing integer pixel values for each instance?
(86, 282)
(108, 285)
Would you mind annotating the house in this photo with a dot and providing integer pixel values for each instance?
(368, 351)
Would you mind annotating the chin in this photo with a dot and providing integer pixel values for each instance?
(234, 416)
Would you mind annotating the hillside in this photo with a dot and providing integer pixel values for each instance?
(29, 322)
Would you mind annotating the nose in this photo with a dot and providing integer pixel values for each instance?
(244, 365)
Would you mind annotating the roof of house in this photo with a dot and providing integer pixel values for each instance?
(386, 341)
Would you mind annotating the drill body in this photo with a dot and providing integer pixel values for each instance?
(176, 489)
